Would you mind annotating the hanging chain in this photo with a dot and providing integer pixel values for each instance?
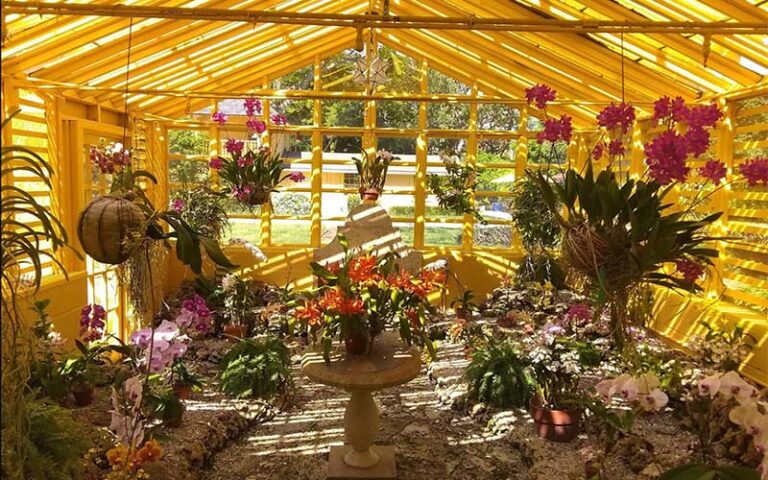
(127, 80)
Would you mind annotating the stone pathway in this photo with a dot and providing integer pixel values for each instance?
(431, 441)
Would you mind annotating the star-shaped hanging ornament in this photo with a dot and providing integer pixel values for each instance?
(372, 72)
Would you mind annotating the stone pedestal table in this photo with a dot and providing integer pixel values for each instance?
(390, 363)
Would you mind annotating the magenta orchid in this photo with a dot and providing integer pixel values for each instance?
(755, 171)
(713, 170)
(219, 117)
(92, 322)
(540, 94)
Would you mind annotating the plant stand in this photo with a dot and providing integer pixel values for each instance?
(390, 363)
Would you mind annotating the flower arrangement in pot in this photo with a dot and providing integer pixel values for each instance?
(360, 296)
(557, 362)
(372, 170)
(621, 233)
(239, 310)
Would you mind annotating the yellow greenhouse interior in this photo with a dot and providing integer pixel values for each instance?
(213, 183)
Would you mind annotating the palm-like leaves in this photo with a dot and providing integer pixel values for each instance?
(372, 169)
(24, 243)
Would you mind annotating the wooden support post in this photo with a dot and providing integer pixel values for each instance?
(266, 213)
(420, 199)
(721, 199)
(317, 162)
(521, 162)
(469, 220)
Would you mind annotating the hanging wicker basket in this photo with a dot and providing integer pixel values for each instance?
(108, 226)
(589, 252)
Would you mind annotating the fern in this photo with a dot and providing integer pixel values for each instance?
(256, 368)
(498, 376)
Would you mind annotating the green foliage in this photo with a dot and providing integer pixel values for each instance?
(465, 302)
(540, 268)
(164, 405)
(203, 210)
(498, 376)
(454, 191)
(188, 142)
(537, 224)
(697, 471)
(256, 368)
(189, 171)
(57, 444)
(372, 169)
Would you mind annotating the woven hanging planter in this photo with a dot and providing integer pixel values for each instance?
(108, 226)
(589, 252)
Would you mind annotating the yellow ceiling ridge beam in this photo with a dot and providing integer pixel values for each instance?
(385, 21)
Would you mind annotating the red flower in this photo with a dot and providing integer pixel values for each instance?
(666, 156)
(309, 313)
(713, 170)
(690, 270)
(704, 115)
(665, 108)
(616, 148)
(598, 151)
(351, 306)
(364, 269)
(556, 129)
(617, 116)
(755, 170)
(696, 140)
(540, 94)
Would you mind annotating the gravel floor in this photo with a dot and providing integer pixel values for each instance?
(431, 440)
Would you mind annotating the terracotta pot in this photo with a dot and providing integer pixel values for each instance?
(371, 194)
(356, 343)
(182, 391)
(83, 395)
(106, 227)
(556, 425)
(237, 331)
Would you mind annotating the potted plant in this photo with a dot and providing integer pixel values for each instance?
(372, 170)
(251, 175)
(163, 404)
(620, 232)
(557, 362)
(361, 295)
(464, 306)
(82, 372)
(455, 190)
(203, 209)
(183, 381)
(240, 301)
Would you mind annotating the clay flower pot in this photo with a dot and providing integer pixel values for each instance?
(371, 194)
(83, 395)
(236, 331)
(556, 425)
(356, 343)
(182, 391)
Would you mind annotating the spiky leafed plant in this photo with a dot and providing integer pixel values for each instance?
(31, 235)
(372, 169)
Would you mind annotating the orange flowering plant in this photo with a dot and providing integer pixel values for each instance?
(363, 294)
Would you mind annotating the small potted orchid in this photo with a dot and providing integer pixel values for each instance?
(372, 169)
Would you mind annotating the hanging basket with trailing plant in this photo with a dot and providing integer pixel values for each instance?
(108, 226)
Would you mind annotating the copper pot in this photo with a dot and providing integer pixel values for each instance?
(556, 425)
(356, 343)
(371, 194)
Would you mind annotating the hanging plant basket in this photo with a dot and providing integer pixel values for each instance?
(108, 226)
(589, 252)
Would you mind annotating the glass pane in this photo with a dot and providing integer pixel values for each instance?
(403, 147)
(188, 142)
(439, 149)
(297, 112)
(397, 114)
(494, 207)
(329, 230)
(245, 228)
(341, 144)
(492, 235)
(294, 232)
(294, 147)
(495, 179)
(301, 79)
(406, 232)
(547, 153)
(497, 116)
(337, 71)
(491, 151)
(403, 71)
(434, 210)
(445, 234)
(400, 178)
(448, 115)
(291, 203)
(187, 171)
(343, 113)
(398, 205)
(438, 82)
(233, 207)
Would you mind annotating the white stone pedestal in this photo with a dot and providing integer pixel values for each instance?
(388, 364)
